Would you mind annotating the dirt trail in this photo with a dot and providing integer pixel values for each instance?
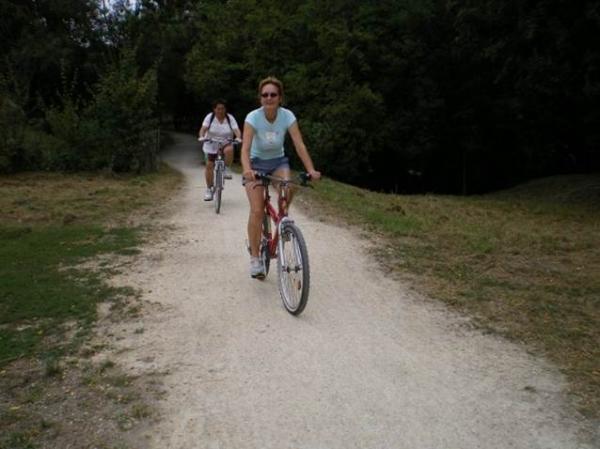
(368, 365)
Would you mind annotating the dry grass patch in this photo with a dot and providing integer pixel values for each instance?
(41, 199)
(82, 407)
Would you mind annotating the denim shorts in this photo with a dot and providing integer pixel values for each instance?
(268, 166)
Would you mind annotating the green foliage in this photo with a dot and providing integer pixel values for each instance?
(72, 142)
(394, 94)
(124, 106)
(50, 117)
(45, 39)
(454, 93)
(12, 127)
(114, 130)
(353, 118)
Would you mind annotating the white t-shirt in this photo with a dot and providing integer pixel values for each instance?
(218, 129)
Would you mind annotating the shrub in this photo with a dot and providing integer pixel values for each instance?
(12, 128)
(124, 106)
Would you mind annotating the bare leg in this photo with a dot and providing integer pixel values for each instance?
(228, 155)
(255, 194)
(208, 173)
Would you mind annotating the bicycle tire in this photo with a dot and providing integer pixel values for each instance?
(264, 245)
(293, 268)
(265, 256)
(218, 186)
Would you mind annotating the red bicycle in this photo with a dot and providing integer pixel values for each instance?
(282, 239)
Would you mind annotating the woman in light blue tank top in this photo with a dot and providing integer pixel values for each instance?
(262, 151)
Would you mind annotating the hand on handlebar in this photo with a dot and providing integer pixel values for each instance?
(314, 175)
(249, 175)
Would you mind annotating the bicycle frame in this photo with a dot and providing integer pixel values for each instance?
(220, 155)
(278, 217)
(220, 159)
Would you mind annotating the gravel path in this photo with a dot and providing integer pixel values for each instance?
(369, 364)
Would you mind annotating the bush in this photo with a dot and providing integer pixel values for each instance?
(12, 128)
(115, 130)
(125, 109)
(75, 141)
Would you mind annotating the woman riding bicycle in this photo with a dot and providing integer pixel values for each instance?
(262, 151)
(217, 124)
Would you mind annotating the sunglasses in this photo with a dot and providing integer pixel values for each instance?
(269, 94)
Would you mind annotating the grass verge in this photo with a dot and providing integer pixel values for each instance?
(49, 225)
(524, 262)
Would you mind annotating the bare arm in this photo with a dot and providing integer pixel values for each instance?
(246, 143)
(302, 151)
(202, 132)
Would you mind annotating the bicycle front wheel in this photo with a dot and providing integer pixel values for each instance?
(294, 273)
(218, 188)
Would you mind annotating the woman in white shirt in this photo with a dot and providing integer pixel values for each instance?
(221, 125)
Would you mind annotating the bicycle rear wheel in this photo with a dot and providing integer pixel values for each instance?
(265, 256)
(294, 273)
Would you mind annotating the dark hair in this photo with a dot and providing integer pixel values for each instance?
(219, 101)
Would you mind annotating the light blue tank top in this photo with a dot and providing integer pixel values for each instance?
(269, 137)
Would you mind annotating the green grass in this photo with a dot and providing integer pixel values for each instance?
(35, 280)
(524, 262)
(53, 228)
(49, 224)
(17, 440)
(39, 288)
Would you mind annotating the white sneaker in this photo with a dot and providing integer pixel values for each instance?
(227, 173)
(208, 195)
(257, 270)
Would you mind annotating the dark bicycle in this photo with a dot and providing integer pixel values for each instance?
(219, 168)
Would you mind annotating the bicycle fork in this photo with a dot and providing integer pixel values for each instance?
(298, 266)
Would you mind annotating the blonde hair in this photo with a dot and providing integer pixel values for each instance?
(275, 82)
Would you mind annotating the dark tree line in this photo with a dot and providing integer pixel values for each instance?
(399, 95)
(72, 94)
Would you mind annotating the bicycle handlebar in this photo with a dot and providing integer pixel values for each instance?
(219, 140)
(303, 179)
